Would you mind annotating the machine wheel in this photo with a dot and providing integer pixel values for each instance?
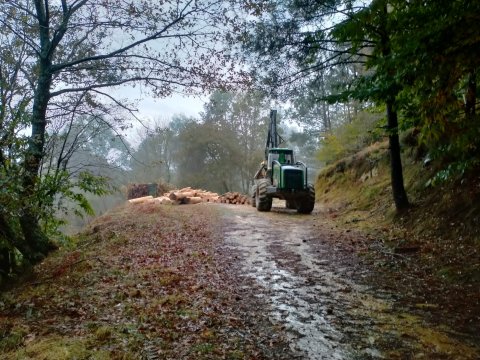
(290, 204)
(262, 200)
(305, 206)
(252, 198)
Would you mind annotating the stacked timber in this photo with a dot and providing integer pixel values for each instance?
(140, 200)
(234, 198)
(192, 196)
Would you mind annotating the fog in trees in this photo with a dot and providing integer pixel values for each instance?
(218, 151)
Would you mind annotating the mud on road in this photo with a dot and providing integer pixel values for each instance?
(313, 280)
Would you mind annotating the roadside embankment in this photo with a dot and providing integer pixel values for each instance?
(432, 250)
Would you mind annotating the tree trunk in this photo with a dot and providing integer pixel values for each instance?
(9, 237)
(225, 186)
(5, 262)
(6, 244)
(32, 232)
(399, 194)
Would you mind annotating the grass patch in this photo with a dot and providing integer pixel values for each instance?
(103, 333)
(10, 340)
(171, 300)
(203, 349)
(236, 355)
(59, 348)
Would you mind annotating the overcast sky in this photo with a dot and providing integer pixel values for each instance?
(151, 109)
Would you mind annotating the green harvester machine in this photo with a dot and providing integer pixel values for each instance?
(280, 176)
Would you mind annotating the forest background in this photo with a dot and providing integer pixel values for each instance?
(348, 73)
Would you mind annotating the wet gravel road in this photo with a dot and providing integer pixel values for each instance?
(312, 280)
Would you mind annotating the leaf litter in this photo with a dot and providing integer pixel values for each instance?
(193, 282)
(143, 281)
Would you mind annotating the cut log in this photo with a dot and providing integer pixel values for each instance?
(187, 194)
(193, 200)
(140, 200)
(178, 195)
(234, 198)
(163, 200)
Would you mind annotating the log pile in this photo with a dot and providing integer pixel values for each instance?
(234, 198)
(192, 196)
(140, 200)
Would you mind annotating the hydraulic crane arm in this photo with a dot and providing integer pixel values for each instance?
(273, 138)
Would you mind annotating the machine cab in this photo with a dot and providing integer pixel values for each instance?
(283, 156)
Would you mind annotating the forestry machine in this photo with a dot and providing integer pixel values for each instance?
(280, 176)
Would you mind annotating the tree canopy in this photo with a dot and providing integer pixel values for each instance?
(220, 151)
(419, 59)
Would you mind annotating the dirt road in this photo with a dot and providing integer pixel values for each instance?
(214, 281)
(312, 277)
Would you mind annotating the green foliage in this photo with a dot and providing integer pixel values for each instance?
(351, 137)
(97, 185)
(9, 190)
(452, 171)
(441, 83)
(10, 340)
(331, 149)
(61, 193)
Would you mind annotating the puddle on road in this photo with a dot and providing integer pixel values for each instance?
(326, 314)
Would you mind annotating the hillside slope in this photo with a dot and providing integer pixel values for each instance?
(431, 250)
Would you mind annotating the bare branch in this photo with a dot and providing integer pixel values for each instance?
(115, 83)
(156, 35)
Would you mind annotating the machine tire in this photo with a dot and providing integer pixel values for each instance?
(262, 201)
(290, 204)
(253, 191)
(306, 205)
(252, 198)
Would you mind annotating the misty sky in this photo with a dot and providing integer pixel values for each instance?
(151, 109)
